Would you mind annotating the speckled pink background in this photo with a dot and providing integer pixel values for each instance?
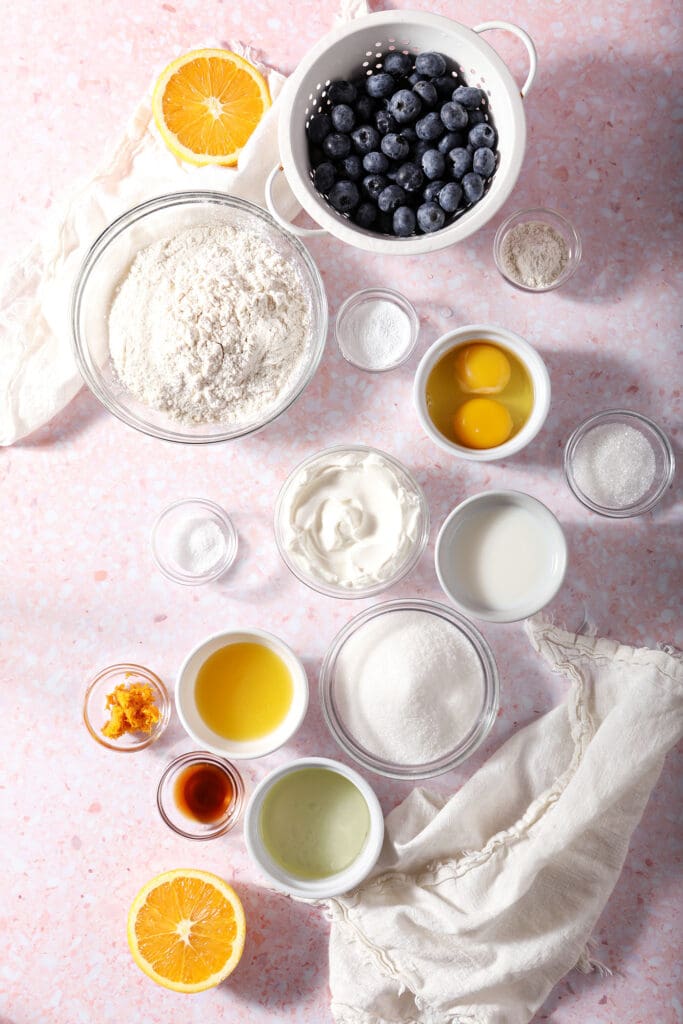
(80, 832)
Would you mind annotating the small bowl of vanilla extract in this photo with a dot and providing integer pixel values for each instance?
(200, 795)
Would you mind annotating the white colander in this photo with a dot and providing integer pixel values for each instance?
(362, 43)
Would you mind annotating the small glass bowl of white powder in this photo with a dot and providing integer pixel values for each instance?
(409, 689)
(537, 250)
(193, 541)
(619, 463)
(376, 329)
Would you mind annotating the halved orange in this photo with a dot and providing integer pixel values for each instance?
(207, 103)
(186, 930)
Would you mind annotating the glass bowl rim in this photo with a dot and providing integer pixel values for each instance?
(164, 705)
(628, 511)
(127, 219)
(473, 739)
(187, 579)
(547, 215)
(365, 295)
(204, 757)
(328, 590)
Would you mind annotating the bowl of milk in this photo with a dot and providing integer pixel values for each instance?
(501, 556)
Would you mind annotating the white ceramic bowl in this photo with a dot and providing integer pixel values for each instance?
(447, 556)
(526, 354)
(195, 725)
(321, 888)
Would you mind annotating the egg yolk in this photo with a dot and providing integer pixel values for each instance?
(482, 423)
(482, 369)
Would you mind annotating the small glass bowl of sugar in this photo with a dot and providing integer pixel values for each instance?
(376, 329)
(193, 541)
(619, 463)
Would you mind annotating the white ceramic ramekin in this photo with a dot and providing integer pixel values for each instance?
(507, 340)
(455, 586)
(195, 725)
(319, 888)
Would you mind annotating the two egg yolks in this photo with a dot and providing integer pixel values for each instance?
(479, 422)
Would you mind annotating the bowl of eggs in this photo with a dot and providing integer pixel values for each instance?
(481, 392)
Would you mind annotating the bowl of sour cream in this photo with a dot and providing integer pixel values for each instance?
(501, 556)
(350, 521)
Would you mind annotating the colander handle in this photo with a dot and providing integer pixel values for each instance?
(272, 209)
(507, 26)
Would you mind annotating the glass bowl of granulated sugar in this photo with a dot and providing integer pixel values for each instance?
(409, 689)
(537, 250)
(196, 318)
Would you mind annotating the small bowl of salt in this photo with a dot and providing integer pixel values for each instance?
(376, 329)
(619, 463)
(536, 250)
(193, 541)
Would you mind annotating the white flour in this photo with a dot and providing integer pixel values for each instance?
(210, 325)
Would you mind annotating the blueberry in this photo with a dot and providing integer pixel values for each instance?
(431, 191)
(449, 141)
(396, 147)
(432, 64)
(410, 177)
(415, 78)
(450, 196)
(385, 122)
(337, 145)
(341, 92)
(427, 93)
(410, 134)
(324, 176)
(433, 164)
(343, 118)
(405, 106)
(344, 196)
(444, 86)
(430, 126)
(385, 223)
(366, 215)
(404, 221)
(391, 198)
(364, 109)
(430, 217)
(399, 64)
(454, 116)
(484, 161)
(352, 167)
(373, 184)
(380, 85)
(462, 162)
(420, 148)
(476, 117)
(316, 156)
(482, 135)
(375, 163)
(473, 187)
(468, 97)
(318, 127)
(365, 139)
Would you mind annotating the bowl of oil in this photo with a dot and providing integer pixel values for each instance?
(242, 694)
(314, 828)
(481, 392)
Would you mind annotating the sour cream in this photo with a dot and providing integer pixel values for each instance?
(350, 518)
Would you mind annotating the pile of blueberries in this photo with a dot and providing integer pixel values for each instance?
(405, 150)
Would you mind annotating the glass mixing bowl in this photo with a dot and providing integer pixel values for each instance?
(107, 263)
(463, 748)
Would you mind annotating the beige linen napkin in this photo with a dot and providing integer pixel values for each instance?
(38, 374)
(482, 902)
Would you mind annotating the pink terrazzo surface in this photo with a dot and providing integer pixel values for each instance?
(80, 832)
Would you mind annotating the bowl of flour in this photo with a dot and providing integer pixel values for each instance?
(197, 318)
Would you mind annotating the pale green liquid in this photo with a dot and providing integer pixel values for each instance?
(314, 822)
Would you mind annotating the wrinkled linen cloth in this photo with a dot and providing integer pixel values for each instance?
(38, 373)
(482, 902)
